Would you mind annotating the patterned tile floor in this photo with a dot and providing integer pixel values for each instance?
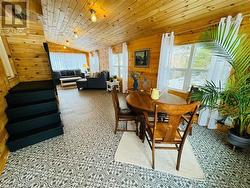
(84, 155)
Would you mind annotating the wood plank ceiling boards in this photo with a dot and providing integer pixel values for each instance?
(123, 20)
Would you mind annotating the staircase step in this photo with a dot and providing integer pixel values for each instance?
(29, 111)
(29, 98)
(32, 86)
(20, 127)
(32, 137)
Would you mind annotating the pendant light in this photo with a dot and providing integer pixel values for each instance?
(93, 15)
(76, 35)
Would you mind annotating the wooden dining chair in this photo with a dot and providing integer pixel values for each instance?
(168, 132)
(122, 114)
(187, 96)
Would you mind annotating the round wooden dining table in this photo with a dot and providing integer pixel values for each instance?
(141, 101)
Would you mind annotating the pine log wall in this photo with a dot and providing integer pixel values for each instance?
(5, 85)
(29, 56)
(29, 62)
(27, 50)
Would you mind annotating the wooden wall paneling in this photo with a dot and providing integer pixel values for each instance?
(153, 43)
(28, 54)
(5, 85)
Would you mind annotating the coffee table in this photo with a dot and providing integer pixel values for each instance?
(71, 81)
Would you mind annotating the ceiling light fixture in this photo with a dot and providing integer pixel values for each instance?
(64, 47)
(75, 35)
(67, 42)
(93, 15)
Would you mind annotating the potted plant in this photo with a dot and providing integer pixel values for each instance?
(135, 75)
(234, 99)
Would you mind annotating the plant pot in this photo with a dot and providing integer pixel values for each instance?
(212, 123)
(238, 141)
(203, 117)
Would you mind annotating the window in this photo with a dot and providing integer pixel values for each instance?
(189, 66)
(117, 65)
(67, 61)
(5, 60)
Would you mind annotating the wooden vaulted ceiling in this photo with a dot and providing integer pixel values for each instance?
(122, 20)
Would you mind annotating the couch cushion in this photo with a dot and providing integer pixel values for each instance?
(70, 72)
(63, 73)
(77, 72)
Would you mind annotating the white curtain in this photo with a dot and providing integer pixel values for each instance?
(111, 62)
(224, 28)
(94, 62)
(219, 69)
(124, 68)
(167, 46)
(67, 61)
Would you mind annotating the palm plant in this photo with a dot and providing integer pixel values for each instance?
(234, 100)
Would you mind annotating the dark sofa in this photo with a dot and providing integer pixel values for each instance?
(94, 83)
(66, 74)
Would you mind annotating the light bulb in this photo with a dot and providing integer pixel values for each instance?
(64, 47)
(75, 35)
(93, 16)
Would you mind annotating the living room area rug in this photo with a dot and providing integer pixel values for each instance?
(131, 150)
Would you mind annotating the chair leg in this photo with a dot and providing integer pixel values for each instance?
(179, 157)
(143, 130)
(190, 130)
(116, 125)
(136, 126)
(153, 154)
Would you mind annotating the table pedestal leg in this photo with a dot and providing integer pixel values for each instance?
(142, 127)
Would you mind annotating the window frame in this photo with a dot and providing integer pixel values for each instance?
(118, 66)
(189, 69)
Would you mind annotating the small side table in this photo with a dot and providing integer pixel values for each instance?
(110, 85)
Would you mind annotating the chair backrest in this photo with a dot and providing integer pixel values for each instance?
(175, 113)
(192, 90)
(115, 101)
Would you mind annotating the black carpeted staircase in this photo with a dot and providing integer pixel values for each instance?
(33, 114)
